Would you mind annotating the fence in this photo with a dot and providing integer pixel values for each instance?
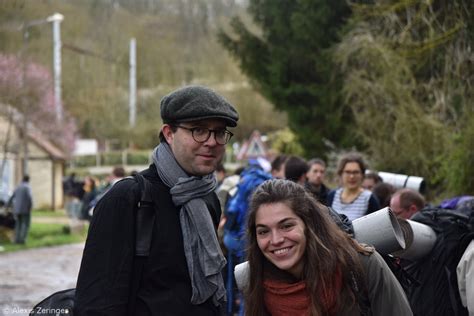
(112, 158)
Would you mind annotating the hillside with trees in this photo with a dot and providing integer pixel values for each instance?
(288, 59)
(393, 79)
(176, 45)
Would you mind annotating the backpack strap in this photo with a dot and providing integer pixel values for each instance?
(144, 221)
(361, 294)
(145, 218)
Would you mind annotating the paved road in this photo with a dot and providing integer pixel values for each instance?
(28, 276)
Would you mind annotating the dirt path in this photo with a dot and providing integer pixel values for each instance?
(29, 276)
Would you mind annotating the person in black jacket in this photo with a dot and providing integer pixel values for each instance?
(90, 193)
(182, 275)
(315, 183)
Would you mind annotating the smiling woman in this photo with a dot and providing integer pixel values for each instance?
(302, 263)
(351, 199)
(280, 237)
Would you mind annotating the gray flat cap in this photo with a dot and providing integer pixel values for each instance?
(193, 103)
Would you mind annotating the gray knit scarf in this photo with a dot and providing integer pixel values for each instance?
(201, 248)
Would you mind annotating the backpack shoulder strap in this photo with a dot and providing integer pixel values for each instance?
(144, 218)
(144, 222)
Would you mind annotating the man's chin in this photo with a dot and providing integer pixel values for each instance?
(205, 170)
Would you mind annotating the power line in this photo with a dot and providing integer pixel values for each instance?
(87, 52)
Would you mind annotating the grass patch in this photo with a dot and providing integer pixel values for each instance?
(48, 234)
(48, 213)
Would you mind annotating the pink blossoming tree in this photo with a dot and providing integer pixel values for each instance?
(28, 88)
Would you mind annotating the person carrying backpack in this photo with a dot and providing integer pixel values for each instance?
(465, 268)
(237, 206)
(438, 291)
(234, 228)
(182, 274)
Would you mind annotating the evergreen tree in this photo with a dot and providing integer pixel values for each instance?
(289, 61)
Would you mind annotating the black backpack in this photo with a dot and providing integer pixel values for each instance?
(62, 303)
(438, 292)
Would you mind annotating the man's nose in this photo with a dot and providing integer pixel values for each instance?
(211, 141)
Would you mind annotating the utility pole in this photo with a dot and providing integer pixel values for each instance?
(24, 100)
(56, 19)
(133, 83)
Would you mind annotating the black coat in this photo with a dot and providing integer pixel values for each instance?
(105, 276)
(320, 194)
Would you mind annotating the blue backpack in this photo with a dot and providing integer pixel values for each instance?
(234, 229)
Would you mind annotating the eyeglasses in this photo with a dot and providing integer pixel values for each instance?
(202, 134)
(352, 173)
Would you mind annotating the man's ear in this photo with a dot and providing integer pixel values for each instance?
(167, 132)
(302, 178)
(412, 209)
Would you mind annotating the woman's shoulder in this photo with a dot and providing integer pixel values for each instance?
(385, 292)
(369, 255)
(335, 191)
(370, 258)
(366, 194)
(375, 267)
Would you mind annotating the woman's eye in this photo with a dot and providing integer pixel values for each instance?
(261, 232)
(287, 226)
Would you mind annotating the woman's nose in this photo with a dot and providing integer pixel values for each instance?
(277, 238)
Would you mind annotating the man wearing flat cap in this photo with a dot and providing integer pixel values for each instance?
(182, 273)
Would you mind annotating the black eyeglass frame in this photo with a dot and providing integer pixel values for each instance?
(228, 134)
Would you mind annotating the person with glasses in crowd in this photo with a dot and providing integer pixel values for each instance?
(351, 199)
(182, 274)
(406, 202)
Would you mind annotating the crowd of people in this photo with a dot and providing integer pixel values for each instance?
(176, 254)
(357, 192)
(81, 196)
(282, 217)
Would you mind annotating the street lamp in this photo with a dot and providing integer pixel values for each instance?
(55, 19)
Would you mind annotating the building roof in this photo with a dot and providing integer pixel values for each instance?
(53, 151)
(33, 133)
